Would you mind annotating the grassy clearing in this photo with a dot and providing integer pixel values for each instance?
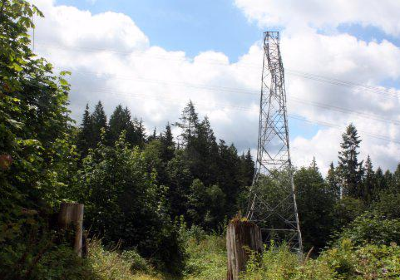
(206, 260)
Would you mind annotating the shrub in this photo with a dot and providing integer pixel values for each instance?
(206, 256)
(35, 252)
(372, 228)
(112, 265)
(280, 263)
(367, 262)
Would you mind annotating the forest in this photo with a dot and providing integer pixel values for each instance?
(157, 204)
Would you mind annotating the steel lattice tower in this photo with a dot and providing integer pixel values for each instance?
(276, 213)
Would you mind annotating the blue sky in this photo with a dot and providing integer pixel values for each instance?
(192, 26)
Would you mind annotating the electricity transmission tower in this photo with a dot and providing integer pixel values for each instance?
(272, 202)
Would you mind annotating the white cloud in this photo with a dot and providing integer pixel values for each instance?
(155, 83)
(321, 14)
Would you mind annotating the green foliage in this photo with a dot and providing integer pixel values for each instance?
(123, 203)
(206, 257)
(33, 251)
(36, 154)
(350, 169)
(114, 265)
(281, 264)
(315, 206)
(346, 210)
(388, 204)
(367, 262)
(345, 261)
(205, 205)
(372, 228)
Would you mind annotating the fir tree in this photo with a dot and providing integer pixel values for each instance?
(140, 134)
(99, 120)
(189, 122)
(85, 135)
(333, 181)
(396, 179)
(153, 136)
(350, 169)
(313, 165)
(247, 168)
(368, 182)
(167, 144)
(120, 121)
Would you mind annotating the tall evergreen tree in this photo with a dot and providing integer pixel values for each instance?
(396, 179)
(349, 167)
(167, 144)
(333, 182)
(202, 151)
(189, 122)
(380, 183)
(153, 136)
(316, 207)
(368, 181)
(313, 165)
(229, 175)
(247, 168)
(140, 133)
(120, 121)
(85, 135)
(99, 120)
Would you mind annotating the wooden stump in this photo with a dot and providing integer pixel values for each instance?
(242, 237)
(72, 214)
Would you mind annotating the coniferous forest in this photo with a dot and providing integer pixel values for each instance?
(157, 204)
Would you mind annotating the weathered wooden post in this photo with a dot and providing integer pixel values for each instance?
(242, 237)
(72, 213)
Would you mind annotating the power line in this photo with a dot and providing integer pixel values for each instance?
(310, 76)
(242, 108)
(245, 91)
(294, 72)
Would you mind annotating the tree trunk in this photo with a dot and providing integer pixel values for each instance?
(72, 214)
(242, 238)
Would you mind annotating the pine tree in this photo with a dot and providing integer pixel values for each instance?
(313, 165)
(380, 183)
(333, 180)
(396, 179)
(247, 168)
(153, 136)
(120, 121)
(350, 169)
(99, 120)
(315, 207)
(368, 181)
(202, 151)
(189, 122)
(167, 144)
(140, 134)
(85, 135)
(389, 179)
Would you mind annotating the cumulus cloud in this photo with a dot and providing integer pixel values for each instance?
(324, 14)
(114, 61)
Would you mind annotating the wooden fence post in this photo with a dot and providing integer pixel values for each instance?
(72, 213)
(241, 237)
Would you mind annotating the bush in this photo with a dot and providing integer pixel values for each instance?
(388, 204)
(206, 256)
(367, 262)
(372, 228)
(35, 252)
(279, 263)
(112, 265)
